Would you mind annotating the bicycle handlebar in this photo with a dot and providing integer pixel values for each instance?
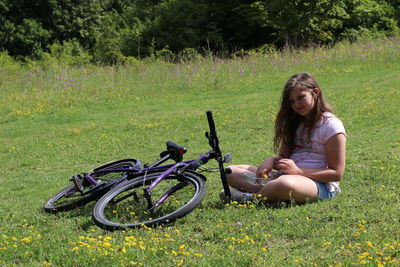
(211, 121)
(212, 136)
(214, 143)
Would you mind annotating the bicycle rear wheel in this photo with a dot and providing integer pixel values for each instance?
(126, 206)
(70, 197)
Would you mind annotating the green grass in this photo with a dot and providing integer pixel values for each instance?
(58, 120)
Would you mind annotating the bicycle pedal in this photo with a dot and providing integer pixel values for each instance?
(77, 180)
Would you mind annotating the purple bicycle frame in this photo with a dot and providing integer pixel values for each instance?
(169, 169)
(203, 159)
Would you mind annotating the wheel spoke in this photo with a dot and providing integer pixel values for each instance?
(130, 207)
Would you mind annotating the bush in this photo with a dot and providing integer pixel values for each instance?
(69, 53)
(7, 63)
(369, 18)
(28, 38)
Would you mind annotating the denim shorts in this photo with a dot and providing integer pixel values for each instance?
(323, 191)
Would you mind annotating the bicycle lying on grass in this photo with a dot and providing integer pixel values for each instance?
(90, 186)
(132, 196)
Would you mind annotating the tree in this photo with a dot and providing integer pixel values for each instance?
(297, 22)
(178, 25)
(370, 17)
(20, 33)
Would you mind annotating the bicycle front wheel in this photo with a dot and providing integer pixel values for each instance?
(70, 197)
(126, 206)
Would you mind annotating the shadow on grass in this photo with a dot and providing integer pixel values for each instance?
(81, 211)
(85, 210)
(260, 204)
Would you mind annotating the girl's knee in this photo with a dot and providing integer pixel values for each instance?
(237, 170)
(239, 167)
(233, 174)
(287, 182)
(233, 167)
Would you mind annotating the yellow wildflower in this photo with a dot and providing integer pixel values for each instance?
(180, 263)
(106, 244)
(25, 240)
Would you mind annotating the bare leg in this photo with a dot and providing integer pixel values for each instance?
(238, 180)
(290, 187)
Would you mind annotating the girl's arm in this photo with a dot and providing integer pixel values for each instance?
(271, 163)
(285, 151)
(335, 150)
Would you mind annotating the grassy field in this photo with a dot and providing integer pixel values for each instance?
(58, 120)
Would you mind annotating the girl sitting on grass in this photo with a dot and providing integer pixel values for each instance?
(310, 141)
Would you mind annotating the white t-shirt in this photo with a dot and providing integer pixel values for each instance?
(310, 152)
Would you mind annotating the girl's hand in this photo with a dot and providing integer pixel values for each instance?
(288, 166)
(265, 168)
(263, 172)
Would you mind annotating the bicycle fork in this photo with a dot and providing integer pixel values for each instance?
(152, 206)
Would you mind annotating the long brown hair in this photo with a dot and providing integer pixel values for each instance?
(287, 121)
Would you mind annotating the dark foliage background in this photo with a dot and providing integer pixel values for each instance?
(109, 31)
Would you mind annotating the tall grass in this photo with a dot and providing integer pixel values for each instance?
(58, 120)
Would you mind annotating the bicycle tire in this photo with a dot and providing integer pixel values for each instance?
(114, 212)
(69, 197)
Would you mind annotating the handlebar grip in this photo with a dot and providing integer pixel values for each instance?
(211, 123)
